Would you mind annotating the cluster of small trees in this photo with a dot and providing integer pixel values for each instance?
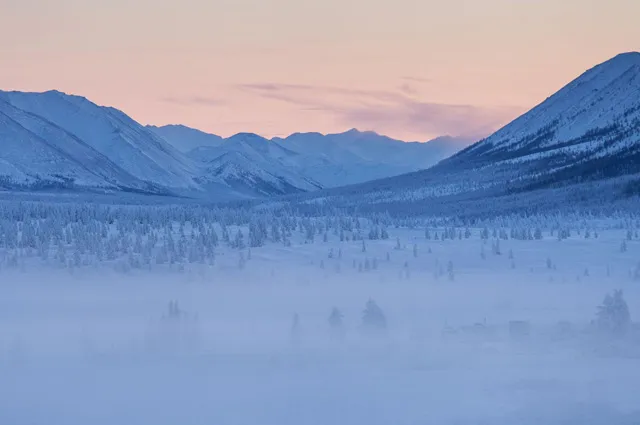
(447, 233)
(72, 235)
(612, 318)
(373, 322)
(613, 315)
(517, 233)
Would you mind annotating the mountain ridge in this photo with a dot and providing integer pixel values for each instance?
(52, 140)
(584, 135)
(331, 159)
(588, 131)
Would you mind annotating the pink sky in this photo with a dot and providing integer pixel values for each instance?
(411, 69)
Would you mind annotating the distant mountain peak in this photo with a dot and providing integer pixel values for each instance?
(305, 133)
(620, 63)
(244, 134)
(580, 145)
(180, 129)
(247, 137)
(68, 96)
(178, 126)
(355, 132)
(184, 138)
(632, 56)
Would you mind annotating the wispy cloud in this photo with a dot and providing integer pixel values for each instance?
(400, 110)
(408, 89)
(195, 100)
(432, 118)
(295, 92)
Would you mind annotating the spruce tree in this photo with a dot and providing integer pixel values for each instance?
(373, 318)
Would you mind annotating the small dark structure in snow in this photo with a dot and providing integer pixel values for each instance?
(336, 324)
(477, 329)
(373, 319)
(519, 329)
(295, 332)
(174, 312)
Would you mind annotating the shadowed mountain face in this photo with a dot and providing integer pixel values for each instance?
(586, 136)
(589, 129)
(55, 140)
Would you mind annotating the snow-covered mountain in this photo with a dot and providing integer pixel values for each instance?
(312, 160)
(55, 159)
(248, 162)
(586, 135)
(94, 137)
(54, 140)
(241, 162)
(591, 127)
(355, 157)
(185, 138)
(368, 146)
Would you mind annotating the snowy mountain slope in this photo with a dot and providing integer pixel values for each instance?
(333, 164)
(599, 98)
(110, 132)
(377, 148)
(318, 145)
(53, 140)
(26, 159)
(56, 140)
(596, 115)
(44, 155)
(246, 161)
(586, 133)
(186, 139)
(258, 147)
(309, 161)
(588, 129)
(354, 156)
(246, 176)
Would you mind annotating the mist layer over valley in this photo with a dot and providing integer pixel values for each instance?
(144, 316)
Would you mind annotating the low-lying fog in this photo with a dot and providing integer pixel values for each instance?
(107, 349)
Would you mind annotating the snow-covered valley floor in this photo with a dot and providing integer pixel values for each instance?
(249, 341)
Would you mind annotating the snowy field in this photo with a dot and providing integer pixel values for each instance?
(479, 328)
